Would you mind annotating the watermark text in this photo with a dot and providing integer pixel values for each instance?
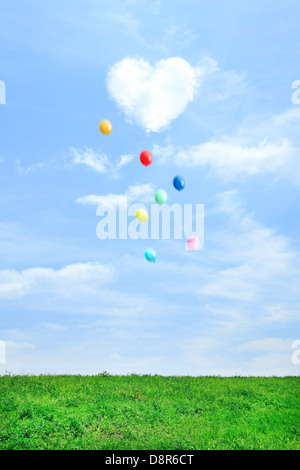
(165, 222)
(296, 94)
(2, 92)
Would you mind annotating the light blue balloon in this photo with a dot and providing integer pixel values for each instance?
(150, 255)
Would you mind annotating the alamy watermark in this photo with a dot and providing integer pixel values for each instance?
(296, 94)
(165, 222)
(2, 353)
(296, 353)
(2, 92)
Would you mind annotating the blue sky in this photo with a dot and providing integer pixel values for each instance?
(216, 107)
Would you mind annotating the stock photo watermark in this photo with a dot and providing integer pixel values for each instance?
(2, 353)
(165, 222)
(296, 94)
(296, 353)
(2, 92)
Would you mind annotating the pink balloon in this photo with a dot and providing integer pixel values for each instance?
(193, 243)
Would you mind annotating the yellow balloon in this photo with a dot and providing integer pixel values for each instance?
(142, 215)
(105, 127)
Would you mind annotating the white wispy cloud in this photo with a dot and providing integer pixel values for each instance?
(279, 313)
(124, 160)
(96, 200)
(270, 147)
(271, 345)
(272, 364)
(16, 346)
(96, 160)
(269, 356)
(178, 34)
(16, 284)
(257, 255)
(54, 326)
(231, 158)
(221, 86)
(29, 169)
(142, 193)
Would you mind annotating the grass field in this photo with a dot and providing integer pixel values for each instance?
(149, 412)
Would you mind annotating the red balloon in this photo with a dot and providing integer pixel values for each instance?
(146, 158)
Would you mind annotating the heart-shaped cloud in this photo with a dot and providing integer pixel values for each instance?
(152, 96)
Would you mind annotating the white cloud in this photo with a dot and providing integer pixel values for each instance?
(115, 356)
(96, 200)
(153, 96)
(95, 160)
(205, 355)
(271, 345)
(15, 284)
(142, 193)
(256, 254)
(272, 146)
(124, 160)
(98, 161)
(231, 158)
(54, 326)
(273, 364)
(223, 85)
(15, 346)
(179, 35)
(29, 169)
(269, 356)
(277, 125)
(279, 313)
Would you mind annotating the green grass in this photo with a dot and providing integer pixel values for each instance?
(149, 412)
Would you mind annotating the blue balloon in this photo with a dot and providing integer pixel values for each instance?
(150, 255)
(178, 183)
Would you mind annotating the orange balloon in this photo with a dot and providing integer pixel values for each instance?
(105, 127)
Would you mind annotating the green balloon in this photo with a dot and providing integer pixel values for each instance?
(161, 196)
